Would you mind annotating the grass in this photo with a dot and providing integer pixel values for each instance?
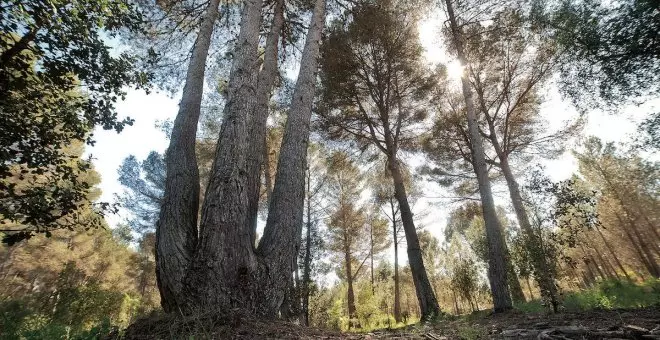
(609, 294)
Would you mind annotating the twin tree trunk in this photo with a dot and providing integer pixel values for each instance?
(497, 260)
(222, 270)
(540, 264)
(176, 231)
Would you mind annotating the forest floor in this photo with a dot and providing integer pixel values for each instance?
(642, 323)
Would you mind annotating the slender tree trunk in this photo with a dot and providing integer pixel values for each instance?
(609, 270)
(280, 244)
(456, 308)
(497, 261)
(352, 316)
(645, 249)
(371, 256)
(397, 291)
(428, 304)
(636, 246)
(614, 256)
(529, 288)
(517, 294)
(258, 120)
(540, 263)
(225, 271)
(176, 230)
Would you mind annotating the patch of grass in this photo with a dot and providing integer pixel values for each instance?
(615, 294)
(534, 306)
(608, 294)
(471, 332)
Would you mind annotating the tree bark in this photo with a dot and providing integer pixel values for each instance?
(258, 120)
(352, 317)
(176, 230)
(497, 261)
(308, 255)
(225, 272)
(428, 304)
(371, 255)
(397, 291)
(280, 243)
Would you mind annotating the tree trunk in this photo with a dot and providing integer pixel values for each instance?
(540, 264)
(258, 121)
(614, 256)
(497, 261)
(280, 243)
(176, 230)
(645, 249)
(352, 316)
(636, 246)
(529, 287)
(397, 291)
(517, 294)
(426, 297)
(225, 272)
(308, 256)
(371, 255)
(609, 270)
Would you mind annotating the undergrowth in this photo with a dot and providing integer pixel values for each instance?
(609, 294)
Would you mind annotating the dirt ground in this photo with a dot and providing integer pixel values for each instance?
(596, 324)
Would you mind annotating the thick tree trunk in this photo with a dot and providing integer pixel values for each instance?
(225, 272)
(280, 243)
(497, 261)
(397, 290)
(308, 256)
(258, 121)
(176, 230)
(426, 297)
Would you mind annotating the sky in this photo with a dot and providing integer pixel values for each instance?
(141, 138)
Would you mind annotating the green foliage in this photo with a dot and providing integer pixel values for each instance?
(58, 80)
(611, 294)
(611, 48)
(144, 183)
(77, 309)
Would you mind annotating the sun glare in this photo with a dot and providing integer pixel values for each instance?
(454, 70)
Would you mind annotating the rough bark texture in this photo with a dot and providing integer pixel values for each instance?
(497, 261)
(258, 120)
(428, 304)
(350, 293)
(308, 256)
(176, 230)
(397, 290)
(225, 271)
(279, 245)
